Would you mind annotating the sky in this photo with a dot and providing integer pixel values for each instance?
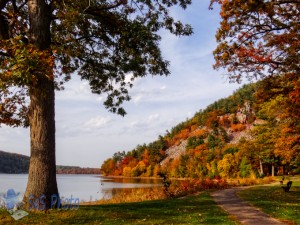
(87, 134)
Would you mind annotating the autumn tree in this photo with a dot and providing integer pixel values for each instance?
(258, 38)
(261, 39)
(44, 42)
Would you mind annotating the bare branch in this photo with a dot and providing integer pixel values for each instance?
(14, 5)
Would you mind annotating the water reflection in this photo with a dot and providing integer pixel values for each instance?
(84, 187)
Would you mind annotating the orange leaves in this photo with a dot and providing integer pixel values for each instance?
(237, 127)
(199, 132)
(182, 135)
(295, 94)
(146, 157)
(287, 147)
(257, 38)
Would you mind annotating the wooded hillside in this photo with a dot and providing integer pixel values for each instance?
(254, 132)
(13, 163)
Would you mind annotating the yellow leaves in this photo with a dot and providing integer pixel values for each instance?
(226, 165)
(275, 108)
(127, 171)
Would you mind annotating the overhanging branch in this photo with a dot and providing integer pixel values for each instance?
(3, 4)
(97, 10)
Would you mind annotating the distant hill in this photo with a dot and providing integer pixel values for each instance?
(76, 170)
(252, 133)
(13, 163)
(17, 163)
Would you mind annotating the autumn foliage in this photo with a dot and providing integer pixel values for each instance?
(255, 131)
(214, 148)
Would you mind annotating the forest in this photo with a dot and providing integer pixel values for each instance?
(13, 163)
(255, 132)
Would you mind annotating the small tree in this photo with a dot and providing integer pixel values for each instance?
(44, 42)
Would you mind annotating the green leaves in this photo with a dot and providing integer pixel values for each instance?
(102, 41)
(105, 42)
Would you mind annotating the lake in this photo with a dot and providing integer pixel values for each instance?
(87, 187)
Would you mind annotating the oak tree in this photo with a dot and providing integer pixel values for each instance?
(44, 42)
(257, 38)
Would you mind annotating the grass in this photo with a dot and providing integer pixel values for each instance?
(250, 181)
(199, 209)
(275, 202)
(132, 195)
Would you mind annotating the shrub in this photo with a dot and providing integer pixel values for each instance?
(245, 168)
(238, 127)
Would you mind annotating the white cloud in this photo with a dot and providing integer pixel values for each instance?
(96, 122)
(153, 117)
(84, 88)
(137, 98)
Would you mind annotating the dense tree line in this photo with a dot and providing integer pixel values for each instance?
(268, 142)
(13, 163)
(76, 170)
(16, 164)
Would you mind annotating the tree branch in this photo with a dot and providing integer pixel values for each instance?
(3, 4)
(4, 28)
(22, 5)
(96, 11)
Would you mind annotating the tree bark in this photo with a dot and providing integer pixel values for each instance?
(261, 168)
(42, 169)
(273, 170)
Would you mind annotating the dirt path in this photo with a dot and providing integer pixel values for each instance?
(243, 211)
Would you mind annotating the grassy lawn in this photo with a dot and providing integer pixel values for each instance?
(274, 201)
(200, 209)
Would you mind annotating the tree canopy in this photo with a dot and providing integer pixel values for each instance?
(258, 38)
(101, 41)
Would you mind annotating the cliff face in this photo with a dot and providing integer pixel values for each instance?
(174, 152)
(239, 125)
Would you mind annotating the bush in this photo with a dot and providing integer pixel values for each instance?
(245, 168)
(238, 127)
(193, 142)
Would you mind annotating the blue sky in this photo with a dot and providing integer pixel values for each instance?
(86, 134)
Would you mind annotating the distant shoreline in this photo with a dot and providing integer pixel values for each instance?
(152, 178)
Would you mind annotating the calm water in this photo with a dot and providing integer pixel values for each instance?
(84, 187)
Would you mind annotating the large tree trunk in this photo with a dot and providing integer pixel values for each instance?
(42, 169)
